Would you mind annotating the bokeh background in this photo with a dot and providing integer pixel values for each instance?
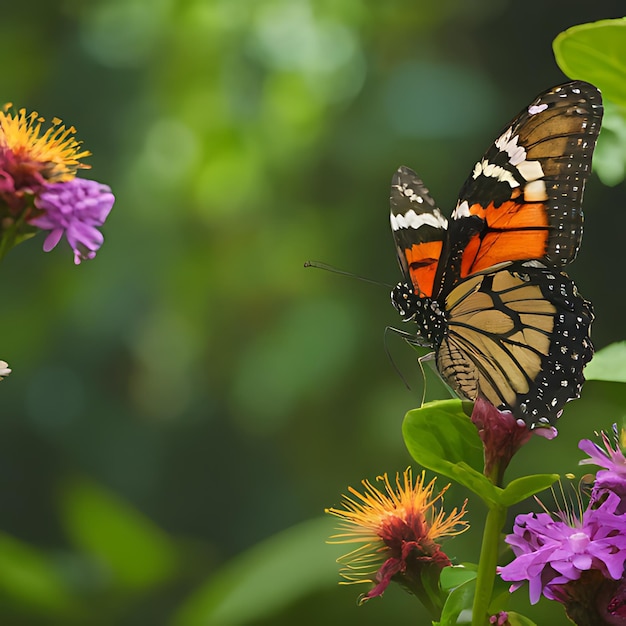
(184, 406)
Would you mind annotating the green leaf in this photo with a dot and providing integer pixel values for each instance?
(460, 599)
(609, 158)
(441, 437)
(515, 619)
(500, 596)
(132, 548)
(443, 429)
(608, 364)
(29, 579)
(595, 52)
(456, 575)
(524, 487)
(270, 576)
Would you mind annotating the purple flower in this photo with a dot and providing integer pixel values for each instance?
(613, 478)
(612, 458)
(500, 619)
(76, 209)
(550, 553)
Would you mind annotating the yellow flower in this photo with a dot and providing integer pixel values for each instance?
(26, 150)
(397, 529)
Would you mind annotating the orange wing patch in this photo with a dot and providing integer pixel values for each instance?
(422, 260)
(513, 232)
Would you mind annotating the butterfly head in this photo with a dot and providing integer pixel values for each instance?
(405, 301)
(426, 312)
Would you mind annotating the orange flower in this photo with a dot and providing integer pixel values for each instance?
(397, 529)
(55, 154)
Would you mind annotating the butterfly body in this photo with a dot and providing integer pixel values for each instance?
(486, 287)
(426, 312)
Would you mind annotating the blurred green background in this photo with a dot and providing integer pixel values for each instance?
(193, 391)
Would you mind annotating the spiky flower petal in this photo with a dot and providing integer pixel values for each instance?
(397, 529)
(53, 153)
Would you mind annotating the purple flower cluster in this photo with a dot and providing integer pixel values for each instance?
(500, 619)
(550, 553)
(75, 208)
(39, 188)
(557, 554)
(612, 479)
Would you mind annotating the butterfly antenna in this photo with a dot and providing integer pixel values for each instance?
(390, 356)
(335, 270)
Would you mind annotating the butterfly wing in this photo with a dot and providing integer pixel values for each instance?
(419, 230)
(486, 288)
(518, 336)
(527, 189)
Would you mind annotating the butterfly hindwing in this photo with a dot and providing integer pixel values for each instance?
(527, 189)
(519, 337)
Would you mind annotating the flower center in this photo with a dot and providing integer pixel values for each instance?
(579, 541)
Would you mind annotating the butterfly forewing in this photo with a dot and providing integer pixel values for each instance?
(419, 229)
(528, 187)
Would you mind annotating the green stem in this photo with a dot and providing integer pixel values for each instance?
(9, 236)
(6, 243)
(487, 564)
(424, 584)
(496, 475)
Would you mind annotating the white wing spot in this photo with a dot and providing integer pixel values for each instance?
(530, 170)
(508, 144)
(535, 191)
(537, 108)
(490, 170)
(405, 190)
(414, 220)
(461, 210)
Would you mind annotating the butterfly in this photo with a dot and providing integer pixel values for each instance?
(486, 287)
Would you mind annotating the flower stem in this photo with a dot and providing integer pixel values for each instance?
(7, 240)
(487, 564)
(9, 235)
